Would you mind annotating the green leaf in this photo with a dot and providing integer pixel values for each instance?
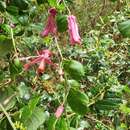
(13, 10)
(6, 28)
(124, 28)
(51, 123)
(21, 4)
(33, 102)
(37, 118)
(74, 121)
(5, 45)
(78, 101)
(7, 98)
(61, 124)
(62, 23)
(108, 104)
(74, 69)
(74, 84)
(25, 113)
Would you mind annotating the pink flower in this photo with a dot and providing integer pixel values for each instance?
(73, 30)
(43, 58)
(51, 27)
(59, 111)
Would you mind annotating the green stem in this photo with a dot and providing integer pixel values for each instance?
(67, 7)
(14, 45)
(8, 117)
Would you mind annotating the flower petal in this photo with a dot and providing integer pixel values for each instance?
(73, 30)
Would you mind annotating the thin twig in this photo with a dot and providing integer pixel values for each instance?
(8, 117)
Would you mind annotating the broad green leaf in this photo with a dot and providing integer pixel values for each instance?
(37, 118)
(62, 23)
(74, 69)
(61, 124)
(78, 101)
(124, 28)
(5, 45)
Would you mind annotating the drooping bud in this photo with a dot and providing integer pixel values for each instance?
(59, 111)
(73, 30)
(51, 27)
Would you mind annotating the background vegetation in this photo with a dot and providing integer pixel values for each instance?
(95, 87)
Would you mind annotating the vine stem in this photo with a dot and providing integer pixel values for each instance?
(59, 50)
(14, 45)
(67, 7)
(8, 117)
(67, 86)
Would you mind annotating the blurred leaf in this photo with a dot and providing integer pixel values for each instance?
(15, 67)
(7, 98)
(5, 45)
(23, 20)
(78, 101)
(21, 4)
(41, 1)
(51, 123)
(6, 28)
(13, 10)
(62, 23)
(23, 91)
(124, 28)
(2, 6)
(33, 102)
(125, 109)
(110, 102)
(37, 118)
(61, 124)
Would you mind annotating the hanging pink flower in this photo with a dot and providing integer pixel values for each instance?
(51, 24)
(43, 58)
(73, 30)
(59, 111)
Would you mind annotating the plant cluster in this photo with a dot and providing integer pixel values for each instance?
(62, 68)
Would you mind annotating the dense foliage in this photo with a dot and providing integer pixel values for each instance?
(51, 77)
